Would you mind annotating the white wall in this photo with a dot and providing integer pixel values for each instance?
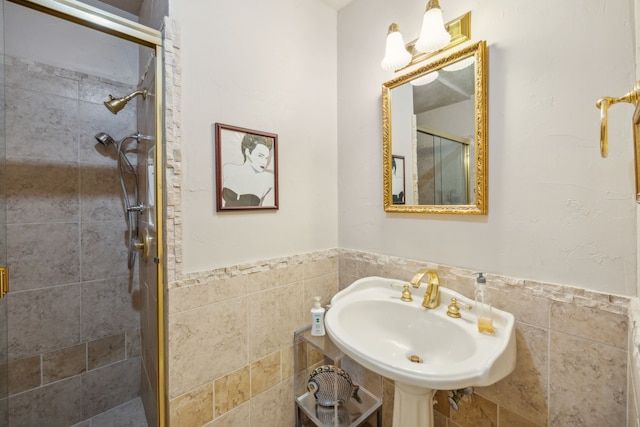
(269, 66)
(39, 37)
(557, 211)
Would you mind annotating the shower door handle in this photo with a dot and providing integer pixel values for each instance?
(4, 281)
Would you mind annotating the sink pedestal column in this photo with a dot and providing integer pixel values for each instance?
(412, 406)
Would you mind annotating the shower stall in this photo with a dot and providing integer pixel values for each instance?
(81, 326)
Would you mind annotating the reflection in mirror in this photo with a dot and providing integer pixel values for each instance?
(435, 119)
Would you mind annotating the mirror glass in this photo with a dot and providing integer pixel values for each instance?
(434, 136)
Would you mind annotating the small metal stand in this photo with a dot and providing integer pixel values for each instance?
(309, 353)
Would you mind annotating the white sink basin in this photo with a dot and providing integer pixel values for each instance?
(370, 323)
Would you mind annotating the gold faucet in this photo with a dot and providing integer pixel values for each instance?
(432, 295)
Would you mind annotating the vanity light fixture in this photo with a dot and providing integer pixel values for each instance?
(433, 37)
(396, 54)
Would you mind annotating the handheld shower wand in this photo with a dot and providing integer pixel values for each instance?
(116, 104)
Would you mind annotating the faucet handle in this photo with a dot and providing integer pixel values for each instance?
(454, 311)
(406, 293)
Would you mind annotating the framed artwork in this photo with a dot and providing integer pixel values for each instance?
(397, 180)
(246, 168)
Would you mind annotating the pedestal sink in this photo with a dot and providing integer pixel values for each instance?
(422, 350)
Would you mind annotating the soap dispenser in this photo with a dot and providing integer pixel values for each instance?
(483, 306)
(317, 319)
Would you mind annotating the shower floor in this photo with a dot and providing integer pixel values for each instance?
(130, 414)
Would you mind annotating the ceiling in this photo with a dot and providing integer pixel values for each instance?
(133, 6)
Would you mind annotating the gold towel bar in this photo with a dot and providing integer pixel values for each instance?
(603, 104)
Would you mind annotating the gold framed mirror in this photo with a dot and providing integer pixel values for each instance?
(435, 117)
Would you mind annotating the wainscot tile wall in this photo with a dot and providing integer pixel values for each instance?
(231, 330)
(231, 355)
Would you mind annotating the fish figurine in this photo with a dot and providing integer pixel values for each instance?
(331, 385)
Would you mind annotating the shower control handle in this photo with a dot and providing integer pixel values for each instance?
(142, 243)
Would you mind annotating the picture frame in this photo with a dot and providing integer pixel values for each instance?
(246, 169)
(398, 189)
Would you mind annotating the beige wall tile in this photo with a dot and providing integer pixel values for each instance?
(232, 390)
(590, 323)
(508, 419)
(213, 290)
(65, 363)
(525, 308)
(524, 391)
(287, 362)
(325, 286)
(282, 275)
(320, 267)
(192, 409)
(208, 342)
(240, 416)
(265, 373)
(274, 407)
(476, 411)
(273, 317)
(588, 382)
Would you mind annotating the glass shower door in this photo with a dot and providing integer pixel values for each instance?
(4, 371)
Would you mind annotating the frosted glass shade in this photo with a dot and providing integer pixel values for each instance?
(396, 55)
(433, 35)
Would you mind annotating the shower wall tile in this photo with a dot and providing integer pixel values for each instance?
(107, 309)
(56, 405)
(41, 191)
(64, 363)
(100, 191)
(41, 255)
(110, 386)
(105, 351)
(43, 320)
(133, 343)
(24, 374)
(130, 414)
(97, 90)
(53, 193)
(94, 118)
(104, 249)
(41, 126)
(38, 77)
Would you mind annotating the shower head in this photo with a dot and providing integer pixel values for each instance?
(116, 104)
(105, 139)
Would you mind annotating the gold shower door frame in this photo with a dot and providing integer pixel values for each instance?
(89, 16)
